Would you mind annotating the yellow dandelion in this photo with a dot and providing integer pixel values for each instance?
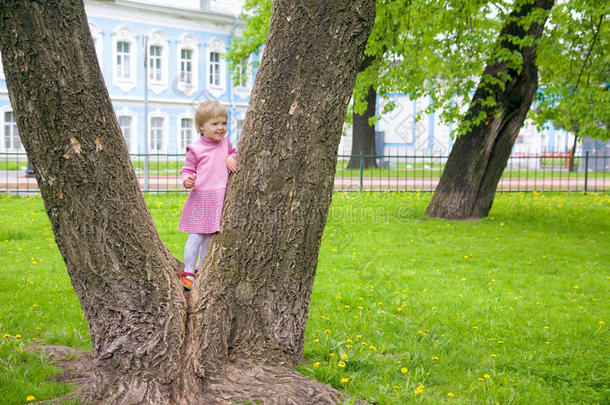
(344, 356)
(344, 380)
(6, 336)
(450, 394)
(404, 370)
(341, 364)
(419, 389)
(18, 336)
(435, 358)
(316, 340)
(331, 354)
(316, 364)
(327, 331)
(348, 346)
(492, 355)
(30, 398)
(601, 322)
(487, 376)
(373, 348)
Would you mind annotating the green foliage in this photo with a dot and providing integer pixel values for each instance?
(574, 63)
(257, 13)
(439, 49)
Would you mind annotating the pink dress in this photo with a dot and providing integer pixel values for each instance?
(207, 159)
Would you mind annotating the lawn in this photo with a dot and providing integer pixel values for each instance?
(405, 309)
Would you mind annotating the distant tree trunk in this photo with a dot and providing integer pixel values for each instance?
(363, 134)
(571, 165)
(239, 334)
(468, 184)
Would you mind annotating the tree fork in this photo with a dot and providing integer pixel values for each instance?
(242, 329)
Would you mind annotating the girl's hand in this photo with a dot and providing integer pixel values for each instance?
(231, 164)
(190, 181)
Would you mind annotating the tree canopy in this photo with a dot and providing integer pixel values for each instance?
(439, 49)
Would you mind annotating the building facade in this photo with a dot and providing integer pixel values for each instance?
(185, 52)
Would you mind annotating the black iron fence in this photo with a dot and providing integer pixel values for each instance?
(587, 172)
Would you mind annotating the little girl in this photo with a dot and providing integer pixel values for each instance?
(206, 172)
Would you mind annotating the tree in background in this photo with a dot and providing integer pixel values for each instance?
(574, 63)
(439, 50)
(496, 114)
(240, 332)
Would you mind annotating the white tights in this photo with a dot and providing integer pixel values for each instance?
(196, 246)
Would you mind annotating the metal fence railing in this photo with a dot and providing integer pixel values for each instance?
(524, 172)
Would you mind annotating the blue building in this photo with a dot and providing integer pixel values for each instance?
(185, 52)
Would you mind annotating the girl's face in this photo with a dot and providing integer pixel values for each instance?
(214, 128)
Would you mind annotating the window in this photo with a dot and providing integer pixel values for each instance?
(126, 126)
(156, 135)
(186, 132)
(242, 74)
(188, 62)
(214, 69)
(123, 61)
(186, 66)
(12, 142)
(216, 65)
(124, 58)
(155, 63)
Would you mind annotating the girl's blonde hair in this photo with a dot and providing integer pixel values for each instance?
(208, 109)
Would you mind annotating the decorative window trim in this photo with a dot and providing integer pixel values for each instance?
(124, 33)
(244, 91)
(185, 115)
(218, 46)
(187, 41)
(133, 139)
(5, 109)
(96, 34)
(158, 38)
(164, 130)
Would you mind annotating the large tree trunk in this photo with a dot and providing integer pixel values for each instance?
(468, 184)
(240, 333)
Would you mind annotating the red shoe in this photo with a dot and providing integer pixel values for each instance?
(187, 283)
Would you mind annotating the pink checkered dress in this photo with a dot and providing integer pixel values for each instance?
(207, 159)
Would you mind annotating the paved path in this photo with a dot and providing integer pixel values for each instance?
(17, 182)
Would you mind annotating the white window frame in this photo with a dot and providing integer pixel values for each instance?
(187, 115)
(216, 45)
(133, 139)
(188, 42)
(3, 148)
(244, 88)
(159, 39)
(96, 34)
(164, 130)
(126, 34)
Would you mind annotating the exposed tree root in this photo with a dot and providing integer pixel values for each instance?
(246, 381)
(242, 382)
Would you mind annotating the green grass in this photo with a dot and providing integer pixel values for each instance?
(510, 309)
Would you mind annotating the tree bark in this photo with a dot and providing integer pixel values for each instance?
(468, 184)
(241, 331)
(363, 134)
(571, 166)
